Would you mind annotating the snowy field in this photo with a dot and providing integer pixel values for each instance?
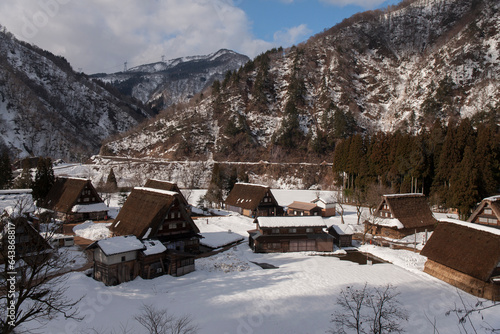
(228, 293)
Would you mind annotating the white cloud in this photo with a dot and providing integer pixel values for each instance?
(100, 35)
(367, 4)
(291, 36)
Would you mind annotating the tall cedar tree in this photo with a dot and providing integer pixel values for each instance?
(111, 183)
(44, 179)
(5, 171)
(464, 185)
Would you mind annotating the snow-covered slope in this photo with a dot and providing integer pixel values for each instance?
(401, 68)
(46, 109)
(177, 80)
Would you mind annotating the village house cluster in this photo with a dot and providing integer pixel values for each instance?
(154, 233)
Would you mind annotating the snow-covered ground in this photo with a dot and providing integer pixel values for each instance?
(229, 293)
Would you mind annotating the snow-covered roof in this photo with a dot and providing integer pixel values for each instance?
(307, 221)
(342, 229)
(253, 184)
(479, 227)
(493, 198)
(404, 195)
(159, 191)
(388, 222)
(326, 201)
(122, 244)
(153, 247)
(96, 207)
(15, 191)
(13, 201)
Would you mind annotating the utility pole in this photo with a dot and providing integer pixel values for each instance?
(163, 58)
(125, 67)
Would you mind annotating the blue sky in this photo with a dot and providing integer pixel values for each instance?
(100, 35)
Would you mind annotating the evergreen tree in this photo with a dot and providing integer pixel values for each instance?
(44, 179)
(111, 184)
(464, 193)
(5, 171)
(25, 180)
(214, 194)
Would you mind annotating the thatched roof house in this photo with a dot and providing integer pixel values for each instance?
(75, 199)
(400, 215)
(161, 214)
(165, 185)
(487, 213)
(467, 256)
(253, 200)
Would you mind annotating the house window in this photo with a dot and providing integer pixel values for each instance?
(309, 230)
(172, 226)
(488, 211)
(86, 199)
(158, 270)
(292, 230)
(172, 215)
(184, 224)
(275, 231)
(123, 258)
(179, 215)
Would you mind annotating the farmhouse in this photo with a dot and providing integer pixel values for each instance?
(303, 209)
(75, 199)
(159, 214)
(253, 200)
(487, 213)
(166, 185)
(466, 256)
(400, 215)
(290, 234)
(16, 202)
(122, 259)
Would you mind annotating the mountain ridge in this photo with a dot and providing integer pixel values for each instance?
(398, 69)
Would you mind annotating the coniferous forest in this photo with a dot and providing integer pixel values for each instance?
(455, 165)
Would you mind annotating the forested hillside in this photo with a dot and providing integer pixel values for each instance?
(456, 165)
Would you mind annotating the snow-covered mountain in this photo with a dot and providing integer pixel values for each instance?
(400, 68)
(46, 109)
(177, 80)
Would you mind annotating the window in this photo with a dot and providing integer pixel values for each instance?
(184, 224)
(172, 226)
(123, 258)
(488, 211)
(172, 215)
(292, 230)
(275, 231)
(309, 230)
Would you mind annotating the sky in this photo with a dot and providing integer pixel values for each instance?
(101, 35)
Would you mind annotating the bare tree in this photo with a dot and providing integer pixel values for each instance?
(340, 205)
(369, 310)
(32, 284)
(158, 321)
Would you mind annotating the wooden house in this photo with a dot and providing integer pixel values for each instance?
(122, 259)
(303, 209)
(168, 186)
(160, 214)
(342, 234)
(74, 200)
(253, 200)
(16, 202)
(327, 206)
(30, 246)
(290, 234)
(467, 256)
(400, 215)
(487, 213)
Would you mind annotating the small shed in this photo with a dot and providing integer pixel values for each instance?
(342, 234)
(327, 206)
(465, 255)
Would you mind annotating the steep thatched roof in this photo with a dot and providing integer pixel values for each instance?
(472, 251)
(165, 185)
(65, 192)
(247, 196)
(491, 202)
(412, 210)
(145, 209)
